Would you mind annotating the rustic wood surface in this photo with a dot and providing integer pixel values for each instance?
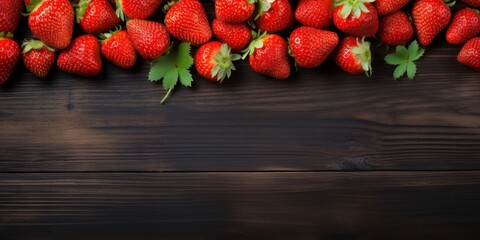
(322, 155)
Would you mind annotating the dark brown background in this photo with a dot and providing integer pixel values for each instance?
(323, 155)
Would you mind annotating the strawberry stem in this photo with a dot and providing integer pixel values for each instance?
(167, 95)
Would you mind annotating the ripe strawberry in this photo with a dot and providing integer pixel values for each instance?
(353, 56)
(311, 46)
(385, 7)
(10, 14)
(52, 21)
(472, 3)
(274, 15)
(464, 26)
(96, 16)
(269, 55)
(234, 11)
(235, 35)
(137, 9)
(187, 21)
(357, 18)
(9, 55)
(118, 49)
(38, 57)
(469, 55)
(395, 29)
(82, 57)
(430, 17)
(150, 38)
(214, 61)
(315, 13)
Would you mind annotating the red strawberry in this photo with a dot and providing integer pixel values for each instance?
(385, 7)
(311, 46)
(464, 26)
(96, 16)
(357, 18)
(234, 11)
(214, 61)
(236, 35)
(274, 15)
(38, 57)
(118, 49)
(150, 38)
(472, 3)
(353, 56)
(52, 22)
(9, 55)
(469, 55)
(137, 9)
(430, 17)
(187, 21)
(269, 55)
(395, 29)
(315, 13)
(82, 57)
(10, 14)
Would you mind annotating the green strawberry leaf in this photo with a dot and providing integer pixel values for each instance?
(404, 59)
(185, 77)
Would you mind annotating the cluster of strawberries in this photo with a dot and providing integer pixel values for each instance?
(52, 22)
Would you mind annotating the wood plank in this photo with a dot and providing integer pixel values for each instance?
(366, 205)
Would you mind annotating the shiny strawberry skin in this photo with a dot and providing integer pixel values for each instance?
(469, 54)
(52, 22)
(311, 46)
(119, 50)
(39, 62)
(10, 16)
(234, 11)
(464, 26)
(430, 17)
(236, 35)
(364, 26)
(187, 21)
(203, 60)
(82, 57)
(9, 55)
(345, 58)
(272, 59)
(140, 9)
(315, 13)
(385, 7)
(277, 18)
(472, 3)
(98, 17)
(395, 29)
(150, 38)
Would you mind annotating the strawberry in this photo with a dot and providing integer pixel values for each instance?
(234, 11)
(464, 26)
(430, 17)
(150, 38)
(214, 61)
(353, 56)
(311, 46)
(37, 57)
(52, 21)
(82, 57)
(119, 49)
(472, 3)
(274, 15)
(9, 55)
(236, 35)
(187, 21)
(137, 9)
(269, 55)
(315, 13)
(395, 29)
(385, 7)
(469, 54)
(358, 18)
(10, 14)
(96, 16)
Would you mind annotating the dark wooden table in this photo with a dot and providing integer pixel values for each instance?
(321, 156)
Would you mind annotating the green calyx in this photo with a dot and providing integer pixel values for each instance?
(29, 44)
(362, 52)
(257, 42)
(6, 35)
(119, 12)
(450, 3)
(33, 5)
(224, 63)
(169, 5)
(355, 6)
(105, 36)
(81, 9)
(262, 7)
(404, 58)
